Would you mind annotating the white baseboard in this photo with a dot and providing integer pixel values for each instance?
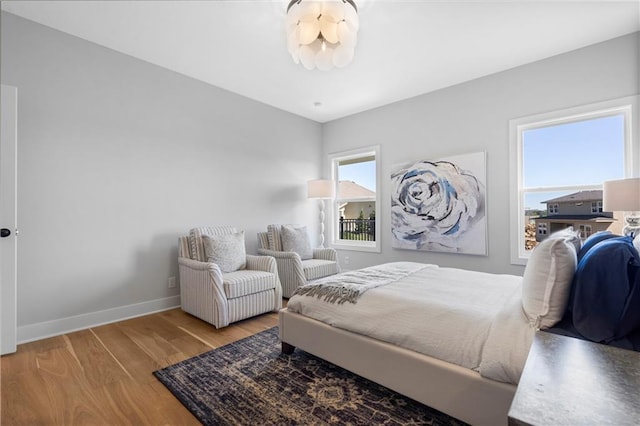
(42, 330)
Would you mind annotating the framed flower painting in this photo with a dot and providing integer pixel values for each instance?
(440, 205)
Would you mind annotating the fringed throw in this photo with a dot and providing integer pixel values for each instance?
(349, 286)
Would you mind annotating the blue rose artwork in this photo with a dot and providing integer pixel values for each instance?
(440, 205)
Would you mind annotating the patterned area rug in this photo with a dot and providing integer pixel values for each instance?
(250, 382)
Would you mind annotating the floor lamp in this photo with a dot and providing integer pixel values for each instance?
(321, 189)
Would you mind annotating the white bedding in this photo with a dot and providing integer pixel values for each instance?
(463, 317)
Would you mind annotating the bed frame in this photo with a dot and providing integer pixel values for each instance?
(454, 390)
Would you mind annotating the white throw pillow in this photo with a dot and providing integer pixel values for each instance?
(570, 236)
(296, 238)
(546, 283)
(227, 251)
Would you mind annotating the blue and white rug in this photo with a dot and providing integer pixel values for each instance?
(250, 382)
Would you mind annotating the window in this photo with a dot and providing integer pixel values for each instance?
(355, 223)
(596, 206)
(542, 229)
(585, 231)
(556, 156)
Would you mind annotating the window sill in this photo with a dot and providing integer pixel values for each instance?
(367, 246)
(520, 260)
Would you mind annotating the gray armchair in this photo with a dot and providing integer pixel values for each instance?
(221, 298)
(292, 269)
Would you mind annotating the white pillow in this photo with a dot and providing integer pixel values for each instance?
(296, 238)
(570, 236)
(546, 283)
(227, 251)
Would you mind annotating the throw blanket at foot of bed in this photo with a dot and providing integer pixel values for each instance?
(349, 286)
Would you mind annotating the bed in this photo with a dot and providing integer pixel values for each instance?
(364, 320)
(452, 389)
(440, 366)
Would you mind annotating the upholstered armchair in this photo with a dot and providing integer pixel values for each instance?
(219, 282)
(297, 262)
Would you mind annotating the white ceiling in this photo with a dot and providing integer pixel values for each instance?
(405, 48)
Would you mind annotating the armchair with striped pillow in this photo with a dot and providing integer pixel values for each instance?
(297, 262)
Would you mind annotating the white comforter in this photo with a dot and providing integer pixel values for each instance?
(472, 319)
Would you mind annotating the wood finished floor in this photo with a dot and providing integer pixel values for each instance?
(102, 376)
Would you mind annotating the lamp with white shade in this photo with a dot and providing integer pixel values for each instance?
(322, 33)
(321, 189)
(623, 195)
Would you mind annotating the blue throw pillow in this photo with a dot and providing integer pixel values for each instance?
(593, 240)
(603, 286)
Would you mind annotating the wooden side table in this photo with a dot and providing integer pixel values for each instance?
(568, 381)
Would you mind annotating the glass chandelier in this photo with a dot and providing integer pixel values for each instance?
(322, 34)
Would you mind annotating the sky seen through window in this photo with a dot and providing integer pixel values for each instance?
(586, 152)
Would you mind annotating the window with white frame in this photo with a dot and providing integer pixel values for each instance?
(553, 208)
(585, 231)
(542, 229)
(355, 223)
(564, 152)
(596, 206)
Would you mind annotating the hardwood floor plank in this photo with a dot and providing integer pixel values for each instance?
(154, 345)
(129, 403)
(44, 345)
(195, 336)
(135, 360)
(155, 324)
(178, 317)
(190, 346)
(23, 400)
(24, 359)
(100, 367)
(71, 399)
(258, 324)
(206, 332)
(199, 329)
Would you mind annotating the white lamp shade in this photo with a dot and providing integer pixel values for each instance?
(347, 36)
(335, 9)
(342, 55)
(320, 188)
(318, 24)
(324, 59)
(307, 57)
(308, 30)
(621, 195)
(351, 17)
(310, 7)
(329, 29)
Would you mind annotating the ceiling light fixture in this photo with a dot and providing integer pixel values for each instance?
(322, 34)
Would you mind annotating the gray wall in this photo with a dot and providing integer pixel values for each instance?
(118, 157)
(474, 116)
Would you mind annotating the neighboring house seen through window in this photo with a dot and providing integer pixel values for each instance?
(559, 161)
